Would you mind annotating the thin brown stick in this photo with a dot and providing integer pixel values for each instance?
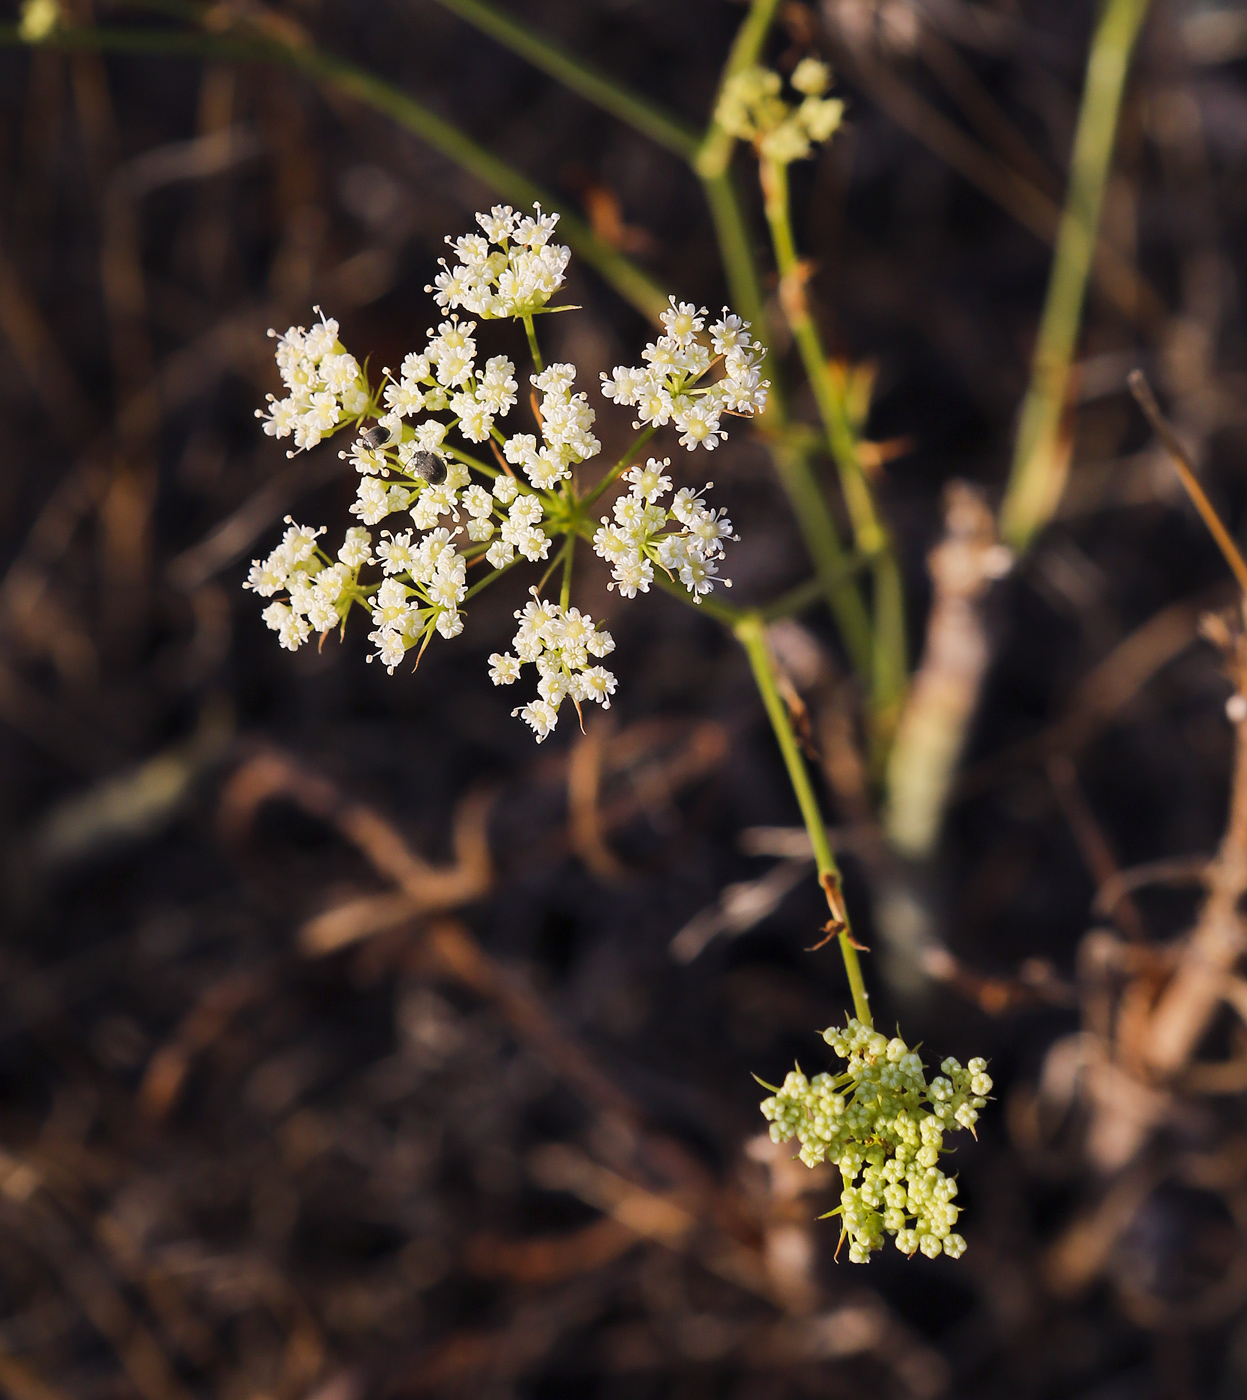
(1182, 464)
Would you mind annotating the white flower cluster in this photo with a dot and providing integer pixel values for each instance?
(406, 614)
(464, 511)
(668, 387)
(559, 642)
(566, 431)
(751, 108)
(444, 376)
(513, 270)
(519, 529)
(639, 537)
(324, 384)
(320, 590)
(881, 1119)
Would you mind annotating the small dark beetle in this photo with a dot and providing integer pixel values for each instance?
(376, 437)
(428, 466)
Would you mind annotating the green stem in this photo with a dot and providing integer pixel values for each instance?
(822, 543)
(468, 460)
(1040, 462)
(533, 349)
(737, 255)
(721, 612)
(483, 583)
(619, 467)
(715, 153)
(578, 76)
(554, 563)
(888, 670)
(751, 633)
(632, 284)
(569, 555)
(867, 529)
(804, 595)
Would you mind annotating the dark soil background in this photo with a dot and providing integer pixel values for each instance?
(513, 1149)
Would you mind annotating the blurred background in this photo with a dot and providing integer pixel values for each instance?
(350, 1045)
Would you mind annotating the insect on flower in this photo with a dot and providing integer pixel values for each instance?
(428, 467)
(377, 437)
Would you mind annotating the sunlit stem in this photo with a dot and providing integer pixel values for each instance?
(483, 583)
(554, 563)
(798, 599)
(569, 555)
(888, 669)
(533, 349)
(1040, 458)
(468, 460)
(751, 633)
(620, 466)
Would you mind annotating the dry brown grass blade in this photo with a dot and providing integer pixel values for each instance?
(584, 827)
(459, 954)
(207, 1021)
(141, 1355)
(272, 774)
(1185, 469)
(549, 1258)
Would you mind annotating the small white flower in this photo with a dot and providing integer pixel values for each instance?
(505, 489)
(541, 715)
(504, 669)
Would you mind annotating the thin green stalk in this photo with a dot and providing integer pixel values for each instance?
(569, 556)
(806, 594)
(792, 463)
(483, 583)
(737, 255)
(751, 633)
(888, 670)
(822, 543)
(554, 564)
(468, 460)
(619, 467)
(715, 153)
(721, 612)
(578, 76)
(632, 284)
(1040, 463)
(533, 348)
(868, 531)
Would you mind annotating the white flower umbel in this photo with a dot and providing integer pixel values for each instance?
(566, 431)
(880, 1119)
(684, 539)
(752, 108)
(324, 385)
(513, 270)
(562, 644)
(429, 436)
(672, 386)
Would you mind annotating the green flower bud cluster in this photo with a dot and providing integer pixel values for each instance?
(881, 1121)
(752, 108)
